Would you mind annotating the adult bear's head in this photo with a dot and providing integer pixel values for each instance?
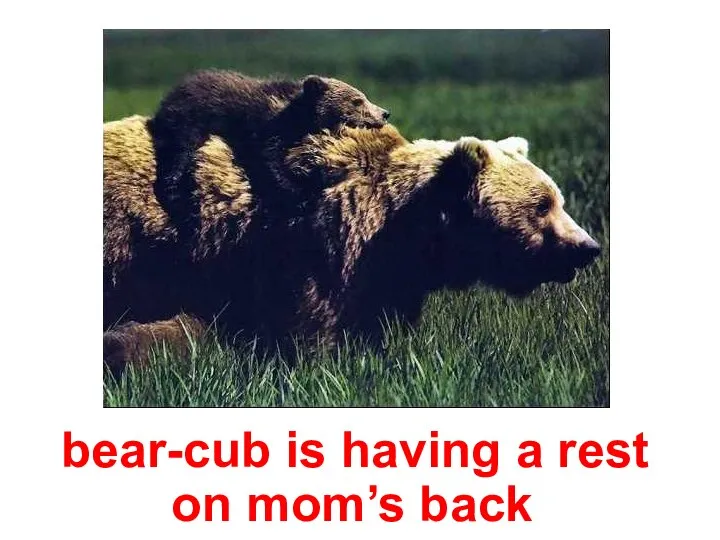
(402, 218)
(501, 220)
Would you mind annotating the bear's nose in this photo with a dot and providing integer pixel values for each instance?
(586, 252)
(385, 114)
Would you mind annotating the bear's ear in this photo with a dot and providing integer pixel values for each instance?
(471, 153)
(314, 85)
(514, 145)
(460, 168)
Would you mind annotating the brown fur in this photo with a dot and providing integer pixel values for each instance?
(135, 340)
(404, 219)
(259, 119)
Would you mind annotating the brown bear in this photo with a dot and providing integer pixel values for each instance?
(404, 218)
(260, 119)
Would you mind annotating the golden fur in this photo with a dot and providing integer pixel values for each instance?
(401, 219)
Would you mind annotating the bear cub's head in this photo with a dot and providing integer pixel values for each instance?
(336, 103)
(506, 221)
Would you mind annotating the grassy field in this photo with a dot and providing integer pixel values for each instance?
(477, 348)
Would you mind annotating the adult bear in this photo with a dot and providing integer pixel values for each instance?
(402, 219)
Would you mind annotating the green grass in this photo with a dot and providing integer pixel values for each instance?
(474, 348)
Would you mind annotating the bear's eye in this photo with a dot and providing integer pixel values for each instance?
(543, 207)
(357, 102)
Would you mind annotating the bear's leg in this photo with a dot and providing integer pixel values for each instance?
(131, 342)
(175, 178)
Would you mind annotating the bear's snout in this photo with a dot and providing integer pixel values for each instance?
(585, 252)
(580, 247)
(379, 117)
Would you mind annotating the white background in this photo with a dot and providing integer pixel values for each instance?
(664, 351)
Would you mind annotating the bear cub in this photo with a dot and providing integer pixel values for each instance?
(259, 119)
